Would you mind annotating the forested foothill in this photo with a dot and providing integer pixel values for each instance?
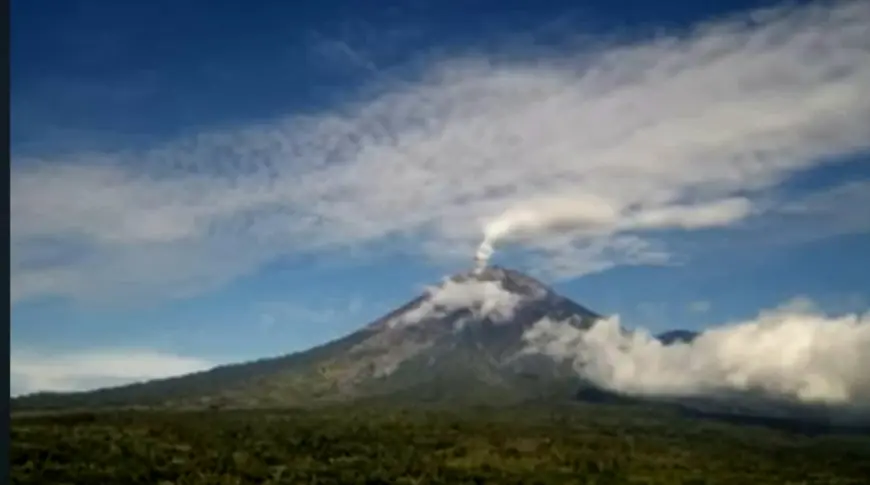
(575, 444)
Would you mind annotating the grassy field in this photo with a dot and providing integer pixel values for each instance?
(369, 445)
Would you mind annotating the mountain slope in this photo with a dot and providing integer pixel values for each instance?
(450, 344)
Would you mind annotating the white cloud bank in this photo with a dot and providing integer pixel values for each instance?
(34, 371)
(792, 352)
(679, 132)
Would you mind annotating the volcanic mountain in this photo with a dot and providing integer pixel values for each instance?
(461, 341)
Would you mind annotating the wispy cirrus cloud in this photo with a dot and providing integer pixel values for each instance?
(831, 211)
(32, 370)
(666, 130)
(699, 306)
(272, 313)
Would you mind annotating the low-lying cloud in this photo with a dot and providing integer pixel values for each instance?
(82, 370)
(793, 352)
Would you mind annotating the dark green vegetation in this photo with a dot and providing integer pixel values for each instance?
(579, 443)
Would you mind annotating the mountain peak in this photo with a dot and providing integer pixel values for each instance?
(488, 295)
(510, 280)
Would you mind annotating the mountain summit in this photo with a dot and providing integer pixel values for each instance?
(460, 340)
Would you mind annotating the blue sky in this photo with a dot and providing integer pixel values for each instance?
(206, 182)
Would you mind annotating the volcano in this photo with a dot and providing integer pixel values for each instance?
(462, 340)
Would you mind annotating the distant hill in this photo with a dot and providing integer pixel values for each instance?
(676, 336)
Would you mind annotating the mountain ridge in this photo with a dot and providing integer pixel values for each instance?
(452, 348)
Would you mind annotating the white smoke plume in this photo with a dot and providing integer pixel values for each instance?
(546, 215)
(792, 352)
(589, 215)
(484, 299)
